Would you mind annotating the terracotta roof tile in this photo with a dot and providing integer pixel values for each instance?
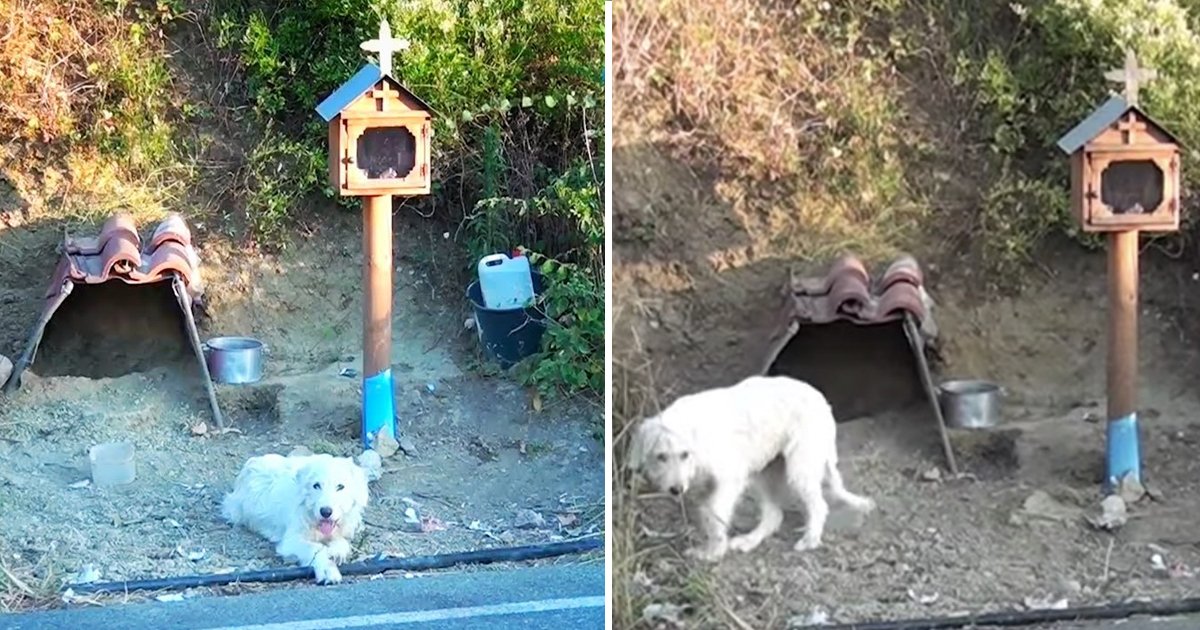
(117, 252)
(846, 292)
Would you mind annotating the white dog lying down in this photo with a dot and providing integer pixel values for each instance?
(773, 436)
(309, 506)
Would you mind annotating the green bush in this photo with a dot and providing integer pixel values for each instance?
(1035, 69)
(516, 85)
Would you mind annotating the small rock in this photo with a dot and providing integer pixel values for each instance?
(469, 323)
(475, 526)
(6, 368)
(1045, 603)
(1131, 490)
(669, 613)
(200, 428)
(430, 387)
(1154, 492)
(1112, 514)
(412, 520)
(1158, 565)
(83, 483)
(371, 463)
(385, 444)
(170, 597)
(818, 617)
(529, 519)
(408, 446)
(925, 599)
(300, 451)
(933, 474)
(1041, 505)
(87, 574)
(348, 372)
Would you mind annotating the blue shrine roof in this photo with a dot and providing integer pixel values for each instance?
(355, 87)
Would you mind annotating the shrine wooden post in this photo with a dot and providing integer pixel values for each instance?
(379, 147)
(1124, 180)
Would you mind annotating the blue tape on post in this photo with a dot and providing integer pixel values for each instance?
(379, 406)
(1124, 451)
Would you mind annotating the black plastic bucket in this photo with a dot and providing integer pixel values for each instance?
(508, 335)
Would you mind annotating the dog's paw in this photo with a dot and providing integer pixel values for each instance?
(807, 543)
(864, 505)
(339, 551)
(744, 543)
(709, 553)
(327, 573)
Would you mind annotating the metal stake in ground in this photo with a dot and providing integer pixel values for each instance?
(379, 147)
(1123, 450)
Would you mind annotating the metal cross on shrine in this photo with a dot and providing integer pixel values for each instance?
(386, 46)
(1131, 75)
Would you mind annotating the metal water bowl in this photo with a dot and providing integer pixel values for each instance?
(970, 404)
(234, 360)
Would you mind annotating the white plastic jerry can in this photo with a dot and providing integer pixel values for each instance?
(505, 282)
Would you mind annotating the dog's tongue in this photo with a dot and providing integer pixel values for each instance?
(325, 526)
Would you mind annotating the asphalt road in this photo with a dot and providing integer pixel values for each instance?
(564, 596)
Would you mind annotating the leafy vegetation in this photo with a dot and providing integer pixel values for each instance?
(517, 87)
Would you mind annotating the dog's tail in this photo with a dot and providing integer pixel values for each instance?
(837, 489)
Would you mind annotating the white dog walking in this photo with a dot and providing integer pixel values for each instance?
(732, 437)
(309, 506)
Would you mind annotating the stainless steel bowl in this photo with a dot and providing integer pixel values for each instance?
(234, 360)
(970, 404)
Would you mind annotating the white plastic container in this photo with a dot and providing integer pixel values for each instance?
(505, 282)
(112, 464)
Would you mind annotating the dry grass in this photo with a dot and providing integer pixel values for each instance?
(647, 571)
(25, 587)
(87, 113)
(796, 112)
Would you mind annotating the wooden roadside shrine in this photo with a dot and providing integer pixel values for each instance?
(1124, 180)
(379, 137)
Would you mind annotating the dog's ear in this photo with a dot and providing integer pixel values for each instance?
(360, 493)
(301, 477)
(635, 455)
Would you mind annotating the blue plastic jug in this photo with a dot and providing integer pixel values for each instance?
(505, 282)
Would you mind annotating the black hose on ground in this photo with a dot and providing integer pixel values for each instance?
(414, 563)
(1030, 617)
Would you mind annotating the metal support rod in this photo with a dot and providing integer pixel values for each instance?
(1123, 450)
(378, 403)
(917, 343)
(185, 303)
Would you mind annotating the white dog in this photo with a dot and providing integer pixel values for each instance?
(773, 436)
(309, 506)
